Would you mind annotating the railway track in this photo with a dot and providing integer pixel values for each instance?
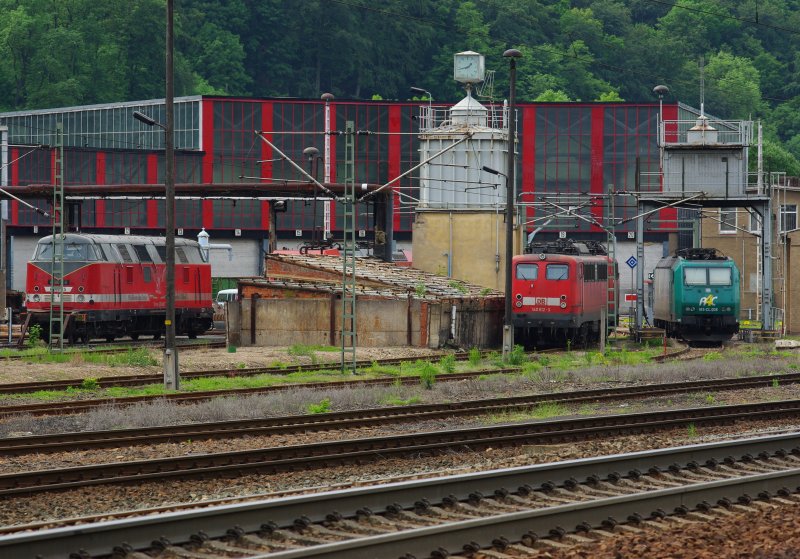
(121, 348)
(60, 442)
(267, 461)
(138, 380)
(498, 513)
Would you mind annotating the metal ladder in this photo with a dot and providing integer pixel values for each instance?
(348, 360)
(612, 280)
(57, 324)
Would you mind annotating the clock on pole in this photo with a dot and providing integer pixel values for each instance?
(468, 67)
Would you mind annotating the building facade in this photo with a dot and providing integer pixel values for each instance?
(592, 149)
(736, 233)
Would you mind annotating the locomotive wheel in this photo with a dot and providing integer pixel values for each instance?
(157, 336)
(192, 334)
(134, 337)
(110, 339)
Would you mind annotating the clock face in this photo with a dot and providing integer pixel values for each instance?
(468, 68)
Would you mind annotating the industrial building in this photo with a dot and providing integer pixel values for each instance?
(583, 171)
(577, 149)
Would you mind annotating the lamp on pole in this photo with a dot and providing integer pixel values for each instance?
(326, 226)
(508, 324)
(171, 369)
(311, 153)
(429, 123)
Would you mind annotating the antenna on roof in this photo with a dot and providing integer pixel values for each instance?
(702, 86)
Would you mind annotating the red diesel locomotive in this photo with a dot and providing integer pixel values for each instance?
(115, 285)
(559, 290)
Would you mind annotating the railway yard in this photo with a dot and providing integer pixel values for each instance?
(638, 452)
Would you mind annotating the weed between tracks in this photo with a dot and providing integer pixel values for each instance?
(538, 373)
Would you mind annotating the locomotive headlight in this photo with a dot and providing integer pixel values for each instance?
(36, 298)
(519, 296)
(563, 304)
(81, 298)
(519, 304)
(36, 288)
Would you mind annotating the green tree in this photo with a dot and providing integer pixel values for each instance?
(732, 86)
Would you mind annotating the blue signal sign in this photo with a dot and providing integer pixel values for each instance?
(631, 262)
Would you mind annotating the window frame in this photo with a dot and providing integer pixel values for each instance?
(529, 266)
(556, 266)
(726, 226)
(783, 217)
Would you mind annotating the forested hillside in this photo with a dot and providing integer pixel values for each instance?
(67, 52)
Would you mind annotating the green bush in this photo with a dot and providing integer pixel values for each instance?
(35, 334)
(448, 363)
(427, 376)
(517, 356)
(323, 407)
(474, 356)
(90, 384)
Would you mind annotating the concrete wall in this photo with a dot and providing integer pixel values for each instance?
(468, 244)
(315, 319)
(246, 258)
(23, 247)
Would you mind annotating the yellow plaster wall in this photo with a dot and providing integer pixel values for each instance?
(474, 239)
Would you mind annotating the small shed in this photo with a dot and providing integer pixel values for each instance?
(299, 301)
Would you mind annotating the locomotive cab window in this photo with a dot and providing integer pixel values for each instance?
(557, 272)
(719, 276)
(527, 271)
(695, 276)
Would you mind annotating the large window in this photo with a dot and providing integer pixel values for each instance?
(557, 272)
(719, 276)
(110, 126)
(695, 276)
(788, 217)
(236, 147)
(237, 214)
(629, 138)
(527, 271)
(727, 221)
(126, 213)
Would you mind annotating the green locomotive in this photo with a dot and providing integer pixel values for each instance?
(696, 295)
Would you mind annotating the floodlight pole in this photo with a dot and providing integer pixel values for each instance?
(508, 323)
(171, 369)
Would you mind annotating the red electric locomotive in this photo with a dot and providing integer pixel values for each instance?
(559, 290)
(115, 285)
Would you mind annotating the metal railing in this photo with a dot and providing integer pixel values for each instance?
(435, 118)
(723, 132)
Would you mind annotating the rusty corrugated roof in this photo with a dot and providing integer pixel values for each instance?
(373, 277)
